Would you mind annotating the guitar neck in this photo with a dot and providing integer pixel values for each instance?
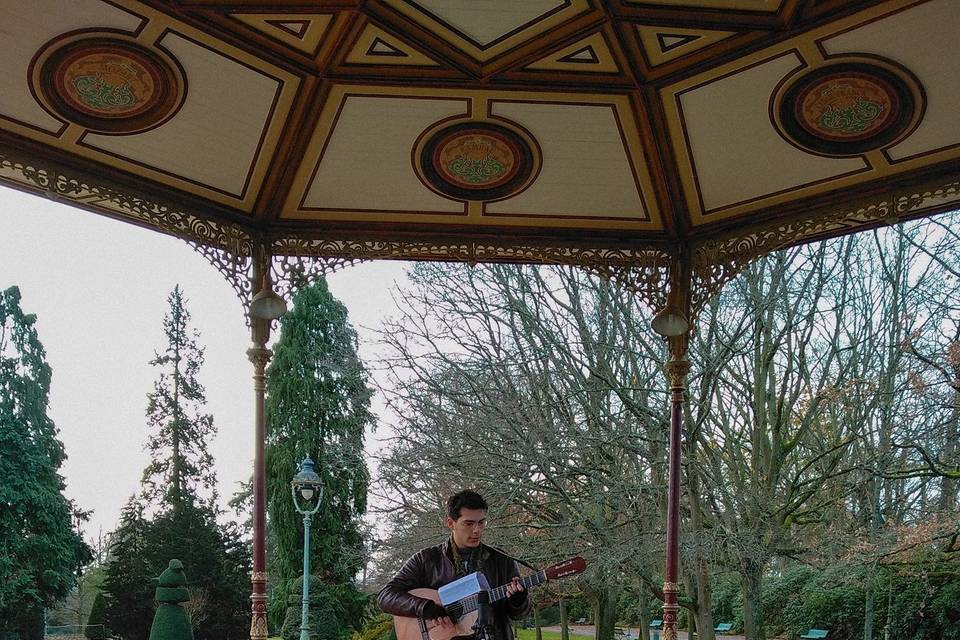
(527, 581)
(470, 603)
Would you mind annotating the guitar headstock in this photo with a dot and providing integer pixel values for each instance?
(567, 568)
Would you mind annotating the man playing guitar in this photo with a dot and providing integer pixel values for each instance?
(462, 554)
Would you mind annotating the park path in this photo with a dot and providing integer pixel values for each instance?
(631, 633)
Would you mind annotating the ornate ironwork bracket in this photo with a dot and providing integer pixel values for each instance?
(716, 261)
(643, 270)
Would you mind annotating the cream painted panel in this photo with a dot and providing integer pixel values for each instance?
(737, 153)
(213, 139)
(586, 171)
(367, 161)
(483, 21)
(25, 27)
(936, 63)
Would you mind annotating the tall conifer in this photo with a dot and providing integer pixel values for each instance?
(318, 404)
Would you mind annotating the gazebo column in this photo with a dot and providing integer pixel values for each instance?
(259, 355)
(672, 322)
(676, 370)
(265, 307)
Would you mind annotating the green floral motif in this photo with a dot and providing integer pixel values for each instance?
(97, 93)
(476, 170)
(853, 119)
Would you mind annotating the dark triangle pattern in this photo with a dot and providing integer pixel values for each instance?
(675, 40)
(585, 55)
(380, 48)
(296, 28)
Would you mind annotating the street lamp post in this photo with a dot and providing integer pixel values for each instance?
(306, 489)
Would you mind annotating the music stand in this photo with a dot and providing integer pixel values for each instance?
(482, 627)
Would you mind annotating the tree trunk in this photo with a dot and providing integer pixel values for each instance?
(886, 627)
(701, 578)
(948, 492)
(564, 623)
(704, 601)
(644, 613)
(751, 578)
(868, 609)
(605, 613)
(536, 622)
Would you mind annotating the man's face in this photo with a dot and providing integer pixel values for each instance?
(468, 528)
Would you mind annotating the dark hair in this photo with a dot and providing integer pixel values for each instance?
(469, 499)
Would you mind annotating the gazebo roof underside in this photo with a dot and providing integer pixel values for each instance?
(571, 131)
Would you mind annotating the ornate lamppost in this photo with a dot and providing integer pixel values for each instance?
(306, 490)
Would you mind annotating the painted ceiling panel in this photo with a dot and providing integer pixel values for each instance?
(216, 135)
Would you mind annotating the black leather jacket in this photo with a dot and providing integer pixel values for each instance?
(433, 567)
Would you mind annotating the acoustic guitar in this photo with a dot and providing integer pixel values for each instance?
(464, 611)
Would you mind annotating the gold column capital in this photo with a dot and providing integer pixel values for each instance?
(676, 371)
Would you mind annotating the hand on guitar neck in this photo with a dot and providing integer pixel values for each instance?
(462, 614)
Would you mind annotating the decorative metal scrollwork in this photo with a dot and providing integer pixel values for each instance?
(297, 260)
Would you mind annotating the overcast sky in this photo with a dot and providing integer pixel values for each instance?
(99, 289)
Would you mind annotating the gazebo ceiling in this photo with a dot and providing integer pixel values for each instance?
(472, 129)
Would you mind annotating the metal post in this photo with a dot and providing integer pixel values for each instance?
(304, 616)
(676, 370)
(259, 355)
(265, 307)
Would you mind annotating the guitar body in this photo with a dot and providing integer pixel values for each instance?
(409, 628)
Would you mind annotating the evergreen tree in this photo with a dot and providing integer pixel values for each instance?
(39, 551)
(130, 574)
(318, 404)
(181, 471)
(180, 484)
(97, 628)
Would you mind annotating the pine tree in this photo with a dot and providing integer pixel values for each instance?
(318, 404)
(181, 471)
(39, 550)
(179, 483)
(97, 628)
(128, 585)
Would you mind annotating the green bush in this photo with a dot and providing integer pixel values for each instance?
(727, 599)
(379, 627)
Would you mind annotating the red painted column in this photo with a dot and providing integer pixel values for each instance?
(259, 355)
(676, 371)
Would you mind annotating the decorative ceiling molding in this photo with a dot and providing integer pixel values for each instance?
(302, 31)
(589, 55)
(766, 6)
(716, 261)
(663, 44)
(375, 46)
(485, 30)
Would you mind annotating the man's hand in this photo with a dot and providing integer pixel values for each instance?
(514, 587)
(445, 623)
(435, 612)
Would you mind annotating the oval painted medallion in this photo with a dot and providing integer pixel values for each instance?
(848, 107)
(476, 160)
(108, 84)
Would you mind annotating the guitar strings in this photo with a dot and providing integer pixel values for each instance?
(471, 602)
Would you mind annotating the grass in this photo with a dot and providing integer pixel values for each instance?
(531, 634)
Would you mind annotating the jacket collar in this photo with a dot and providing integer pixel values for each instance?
(446, 549)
